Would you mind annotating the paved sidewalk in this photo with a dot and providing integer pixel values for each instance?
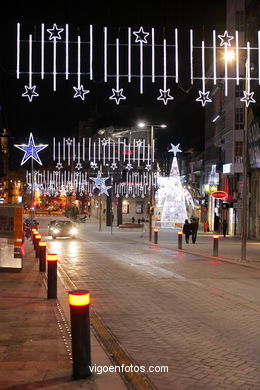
(34, 341)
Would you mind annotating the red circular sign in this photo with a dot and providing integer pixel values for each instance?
(219, 194)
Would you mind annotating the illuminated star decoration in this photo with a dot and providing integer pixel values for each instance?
(78, 166)
(104, 142)
(69, 141)
(175, 149)
(100, 184)
(30, 92)
(93, 165)
(54, 32)
(31, 150)
(248, 98)
(140, 35)
(59, 165)
(165, 96)
(129, 166)
(148, 167)
(139, 143)
(225, 39)
(203, 98)
(113, 166)
(117, 95)
(80, 92)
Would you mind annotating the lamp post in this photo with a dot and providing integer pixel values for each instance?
(142, 124)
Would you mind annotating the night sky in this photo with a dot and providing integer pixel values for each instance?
(58, 113)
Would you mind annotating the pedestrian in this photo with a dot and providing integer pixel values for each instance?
(194, 229)
(206, 226)
(225, 227)
(187, 230)
(139, 221)
(133, 219)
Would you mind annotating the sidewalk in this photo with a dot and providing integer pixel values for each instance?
(35, 343)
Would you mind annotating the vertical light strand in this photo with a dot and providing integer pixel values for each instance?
(58, 152)
(83, 149)
(105, 54)
(54, 64)
(164, 65)
(63, 149)
(226, 72)
(109, 149)
(203, 65)
(214, 58)
(259, 57)
(141, 67)
(129, 54)
(99, 149)
(237, 60)
(69, 154)
(67, 51)
(143, 149)
(118, 153)
(191, 57)
(30, 60)
(79, 59)
(114, 152)
(53, 148)
(117, 64)
(73, 149)
(78, 152)
(124, 151)
(153, 56)
(91, 52)
(104, 153)
(42, 51)
(94, 152)
(153, 150)
(176, 57)
(248, 77)
(18, 33)
(89, 149)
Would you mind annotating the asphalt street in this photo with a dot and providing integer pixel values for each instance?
(198, 316)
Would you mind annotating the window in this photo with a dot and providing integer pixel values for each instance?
(239, 119)
(238, 148)
(139, 208)
(240, 21)
(125, 208)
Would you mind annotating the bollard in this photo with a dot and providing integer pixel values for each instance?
(33, 238)
(180, 240)
(37, 240)
(79, 301)
(215, 245)
(32, 233)
(155, 236)
(52, 260)
(42, 256)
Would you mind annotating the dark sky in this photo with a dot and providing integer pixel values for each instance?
(58, 113)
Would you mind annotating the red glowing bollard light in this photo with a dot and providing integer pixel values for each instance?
(215, 244)
(52, 259)
(79, 301)
(155, 236)
(36, 247)
(179, 239)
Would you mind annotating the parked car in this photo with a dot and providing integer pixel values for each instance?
(64, 229)
(51, 226)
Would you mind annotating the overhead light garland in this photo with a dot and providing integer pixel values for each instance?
(141, 47)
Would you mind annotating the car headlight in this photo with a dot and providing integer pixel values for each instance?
(73, 231)
(56, 230)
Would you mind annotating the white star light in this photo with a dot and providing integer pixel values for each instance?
(148, 167)
(54, 32)
(93, 165)
(68, 141)
(248, 98)
(129, 166)
(30, 92)
(225, 39)
(203, 98)
(113, 166)
(78, 166)
(59, 165)
(175, 149)
(80, 92)
(104, 142)
(165, 96)
(140, 35)
(31, 150)
(139, 143)
(117, 95)
(100, 184)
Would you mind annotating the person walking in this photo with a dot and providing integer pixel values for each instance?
(225, 227)
(186, 230)
(133, 219)
(194, 229)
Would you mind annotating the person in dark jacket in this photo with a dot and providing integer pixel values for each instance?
(225, 227)
(194, 229)
(186, 230)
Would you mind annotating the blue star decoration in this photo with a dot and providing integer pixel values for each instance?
(225, 39)
(140, 35)
(248, 98)
(117, 95)
(31, 150)
(100, 184)
(203, 98)
(54, 32)
(30, 92)
(175, 149)
(80, 92)
(165, 96)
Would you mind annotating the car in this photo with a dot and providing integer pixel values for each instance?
(51, 226)
(64, 229)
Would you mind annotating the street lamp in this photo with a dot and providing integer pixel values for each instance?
(142, 125)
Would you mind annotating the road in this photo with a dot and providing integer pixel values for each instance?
(198, 316)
